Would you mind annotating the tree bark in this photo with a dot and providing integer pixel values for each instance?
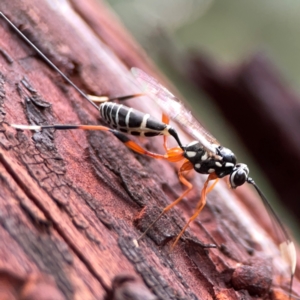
(72, 202)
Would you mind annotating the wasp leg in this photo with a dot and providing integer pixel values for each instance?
(187, 166)
(60, 127)
(200, 204)
(172, 155)
(212, 186)
(102, 99)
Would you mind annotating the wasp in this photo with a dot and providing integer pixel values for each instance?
(204, 154)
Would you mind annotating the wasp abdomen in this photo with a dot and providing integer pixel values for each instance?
(131, 121)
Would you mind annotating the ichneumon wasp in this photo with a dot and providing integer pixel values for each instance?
(205, 155)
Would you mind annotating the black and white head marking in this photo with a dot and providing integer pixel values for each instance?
(239, 175)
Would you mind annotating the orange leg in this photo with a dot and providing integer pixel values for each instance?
(187, 166)
(200, 204)
(173, 155)
(213, 185)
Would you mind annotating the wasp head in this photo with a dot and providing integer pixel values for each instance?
(239, 175)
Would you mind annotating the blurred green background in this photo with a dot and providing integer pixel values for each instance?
(230, 31)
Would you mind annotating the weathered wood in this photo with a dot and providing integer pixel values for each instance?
(72, 202)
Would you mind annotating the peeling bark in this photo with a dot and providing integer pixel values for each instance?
(73, 202)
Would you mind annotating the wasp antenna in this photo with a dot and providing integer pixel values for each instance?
(287, 247)
(46, 59)
(270, 208)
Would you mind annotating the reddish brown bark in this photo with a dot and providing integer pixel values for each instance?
(69, 199)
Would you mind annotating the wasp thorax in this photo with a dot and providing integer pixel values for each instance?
(195, 153)
(221, 161)
(227, 155)
(239, 175)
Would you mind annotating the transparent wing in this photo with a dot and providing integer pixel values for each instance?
(174, 108)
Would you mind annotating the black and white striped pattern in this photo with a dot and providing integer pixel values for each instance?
(131, 121)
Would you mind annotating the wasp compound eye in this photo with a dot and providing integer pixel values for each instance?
(239, 175)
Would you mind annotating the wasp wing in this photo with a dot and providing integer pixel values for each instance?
(174, 108)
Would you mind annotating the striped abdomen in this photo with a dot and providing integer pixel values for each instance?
(131, 121)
